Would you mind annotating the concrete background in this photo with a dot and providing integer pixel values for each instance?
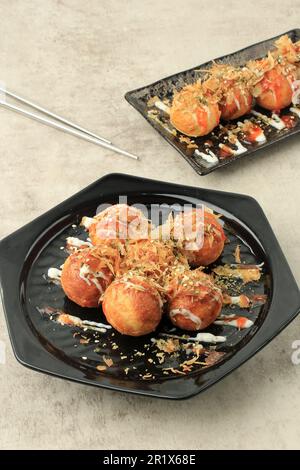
(78, 58)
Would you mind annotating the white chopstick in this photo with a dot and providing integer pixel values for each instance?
(55, 116)
(67, 130)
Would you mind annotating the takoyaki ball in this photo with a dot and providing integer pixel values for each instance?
(237, 102)
(118, 222)
(193, 112)
(132, 305)
(85, 276)
(274, 91)
(232, 85)
(195, 301)
(153, 257)
(273, 83)
(201, 236)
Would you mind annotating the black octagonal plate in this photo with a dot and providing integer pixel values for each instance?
(164, 89)
(44, 345)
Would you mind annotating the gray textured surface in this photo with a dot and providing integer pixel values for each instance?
(79, 58)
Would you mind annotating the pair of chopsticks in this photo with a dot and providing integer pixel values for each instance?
(67, 126)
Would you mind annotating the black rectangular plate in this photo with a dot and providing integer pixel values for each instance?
(42, 345)
(165, 87)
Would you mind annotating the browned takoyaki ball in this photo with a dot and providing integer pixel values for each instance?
(237, 103)
(132, 305)
(193, 112)
(202, 238)
(232, 86)
(194, 300)
(87, 273)
(274, 91)
(272, 86)
(118, 222)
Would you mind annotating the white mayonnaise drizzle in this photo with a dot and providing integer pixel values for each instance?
(75, 321)
(203, 337)
(54, 274)
(280, 123)
(240, 148)
(261, 138)
(186, 314)
(85, 271)
(275, 121)
(73, 242)
(101, 275)
(208, 111)
(234, 322)
(87, 222)
(237, 103)
(235, 300)
(97, 284)
(245, 99)
(171, 131)
(99, 325)
(295, 111)
(208, 338)
(162, 107)
(296, 92)
(210, 157)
